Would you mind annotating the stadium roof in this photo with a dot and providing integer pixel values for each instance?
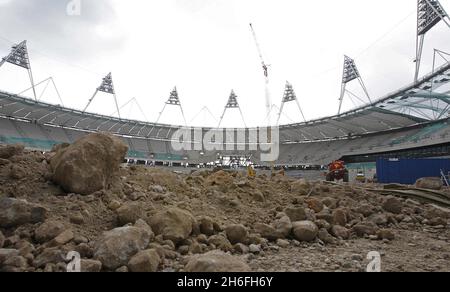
(418, 103)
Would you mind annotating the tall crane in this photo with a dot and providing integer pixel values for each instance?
(266, 75)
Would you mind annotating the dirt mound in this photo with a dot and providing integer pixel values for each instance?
(150, 219)
(88, 165)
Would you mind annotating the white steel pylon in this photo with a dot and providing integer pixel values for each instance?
(232, 104)
(173, 100)
(19, 57)
(48, 81)
(349, 74)
(289, 96)
(107, 86)
(429, 14)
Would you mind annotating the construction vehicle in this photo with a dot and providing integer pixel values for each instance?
(361, 177)
(337, 171)
(251, 173)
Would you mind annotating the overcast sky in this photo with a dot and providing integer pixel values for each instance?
(205, 48)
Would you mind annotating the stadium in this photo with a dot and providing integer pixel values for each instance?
(217, 166)
(412, 122)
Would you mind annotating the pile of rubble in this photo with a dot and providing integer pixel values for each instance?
(78, 198)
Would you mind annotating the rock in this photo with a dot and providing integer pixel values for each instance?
(357, 257)
(315, 205)
(7, 253)
(393, 205)
(253, 248)
(77, 218)
(323, 224)
(129, 213)
(437, 222)
(241, 248)
(48, 230)
(63, 238)
(157, 189)
(49, 256)
(296, 214)
(305, 230)
(123, 269)
(330, 202)
(206, 226)
(300, 187)
(340, 232)
(84, 250)
(9, 151)
(146, 261)
(90, 266)
(202, 238)
(88, 165)
(386, 234)
(115, 248)
(17, 172)
(365, 209)
(283, 226)
(363, 229)
(184, 249)
(268, 231)
(15, 212)
(2, 239)
(220, 242)
(379, 219)
(283, 243)
(431, 183)
(220, 178)
(174, 224)
(258, 196)
(236, 233)
(14, 264)
(114, 205)
(195, 248)
(216, 262)
(340, 217)
(436, 211)
(325, 236)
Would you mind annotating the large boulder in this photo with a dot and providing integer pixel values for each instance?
(305, 230)
(48, 230)
(206, 226)
(236, 233)
(340, 217)
(431, 183)
(216, 262)
(283, 226)
(296, 214)
(220, 242)
(363, 229)
(146, 261)
(88, 165)
(301, 187)
(393, 205)
(116, 247)
(173, 224)
(129, 213)
(9, 151)
(15, 212)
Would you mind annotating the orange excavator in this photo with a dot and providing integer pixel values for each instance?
(337, 171)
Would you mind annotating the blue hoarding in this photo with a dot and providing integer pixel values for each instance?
(408, 171)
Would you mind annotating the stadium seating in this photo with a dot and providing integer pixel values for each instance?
(44, 137)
